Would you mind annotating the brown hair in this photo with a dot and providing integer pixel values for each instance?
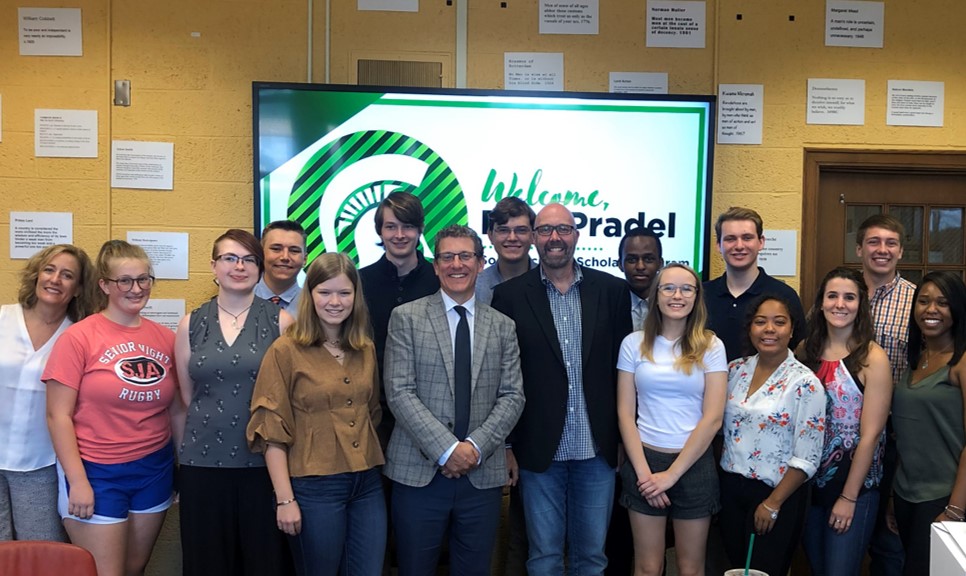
(885, 221)
(82, 304)
(816, 327)
(405, 206)
(307, 329)
(247, 240)
(738, 213)
(459, 231)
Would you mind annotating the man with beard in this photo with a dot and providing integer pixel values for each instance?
(570, 321)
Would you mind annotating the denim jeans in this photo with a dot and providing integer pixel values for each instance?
(343, 524)
(568, 505)
(833, 554)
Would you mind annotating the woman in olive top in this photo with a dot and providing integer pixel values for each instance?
(314, 413)
(927, 413)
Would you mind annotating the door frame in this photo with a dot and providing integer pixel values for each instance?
(819, 160)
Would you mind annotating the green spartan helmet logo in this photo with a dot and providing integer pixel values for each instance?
(439, 192)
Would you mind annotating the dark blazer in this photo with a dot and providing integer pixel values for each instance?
(605, 304)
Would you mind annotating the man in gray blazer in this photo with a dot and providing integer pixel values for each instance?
(453, 380)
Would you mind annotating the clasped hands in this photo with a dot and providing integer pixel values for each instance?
(463, 459)
(654, 487)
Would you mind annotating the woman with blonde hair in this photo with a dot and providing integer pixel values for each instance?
(671, 388)
(112, 404)
(314, 414)
(55, 291)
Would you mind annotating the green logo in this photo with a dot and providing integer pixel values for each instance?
(439, 191)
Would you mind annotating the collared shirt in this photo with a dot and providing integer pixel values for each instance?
(891, 305)
(488, 280)
(453, 317)
(638, 311)
(727, 314)
(577, 441)
(780, 426)
(288, 300)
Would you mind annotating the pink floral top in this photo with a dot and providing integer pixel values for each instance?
(781, 425)
(844, 415)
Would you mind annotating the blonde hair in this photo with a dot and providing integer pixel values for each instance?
(82, 304)
(696, 339)
(307, 328)
(116, 250)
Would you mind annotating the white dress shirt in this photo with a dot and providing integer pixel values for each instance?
(453, 317)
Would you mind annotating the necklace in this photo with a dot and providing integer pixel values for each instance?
(234, 317)
(925, 362)
(334, 347)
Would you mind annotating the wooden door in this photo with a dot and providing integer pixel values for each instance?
(925, 191)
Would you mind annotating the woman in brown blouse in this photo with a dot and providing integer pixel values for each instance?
(314, 413)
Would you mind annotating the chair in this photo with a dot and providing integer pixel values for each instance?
(39, 558)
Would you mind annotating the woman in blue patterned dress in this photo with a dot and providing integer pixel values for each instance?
(855, 371)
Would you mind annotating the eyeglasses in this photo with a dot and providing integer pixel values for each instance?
(127, 284)
(448, 257)
(687, 290)
(504, 231)
(232, 259)
(547, 229)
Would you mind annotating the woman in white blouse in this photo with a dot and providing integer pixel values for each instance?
(774, 427)
(55, 291)
(671, 385)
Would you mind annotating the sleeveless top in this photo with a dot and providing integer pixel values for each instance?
(928, 420)
(844, 397)
(224, 377)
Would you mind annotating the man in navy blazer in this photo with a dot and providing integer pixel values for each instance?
(570, 321)
(446, 457)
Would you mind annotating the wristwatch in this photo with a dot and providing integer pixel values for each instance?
(772, 512)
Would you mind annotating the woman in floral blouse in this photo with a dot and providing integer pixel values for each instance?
(774, 427)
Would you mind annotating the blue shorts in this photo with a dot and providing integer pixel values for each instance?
(143, 486)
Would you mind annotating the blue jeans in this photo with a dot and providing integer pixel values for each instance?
(833, 554)
(343, 524)
(569, 505)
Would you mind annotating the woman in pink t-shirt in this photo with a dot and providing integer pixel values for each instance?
(112, 395)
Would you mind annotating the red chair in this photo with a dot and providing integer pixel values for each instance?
(38, 558)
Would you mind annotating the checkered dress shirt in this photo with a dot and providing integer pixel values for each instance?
(577, 441)
(891, 305)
